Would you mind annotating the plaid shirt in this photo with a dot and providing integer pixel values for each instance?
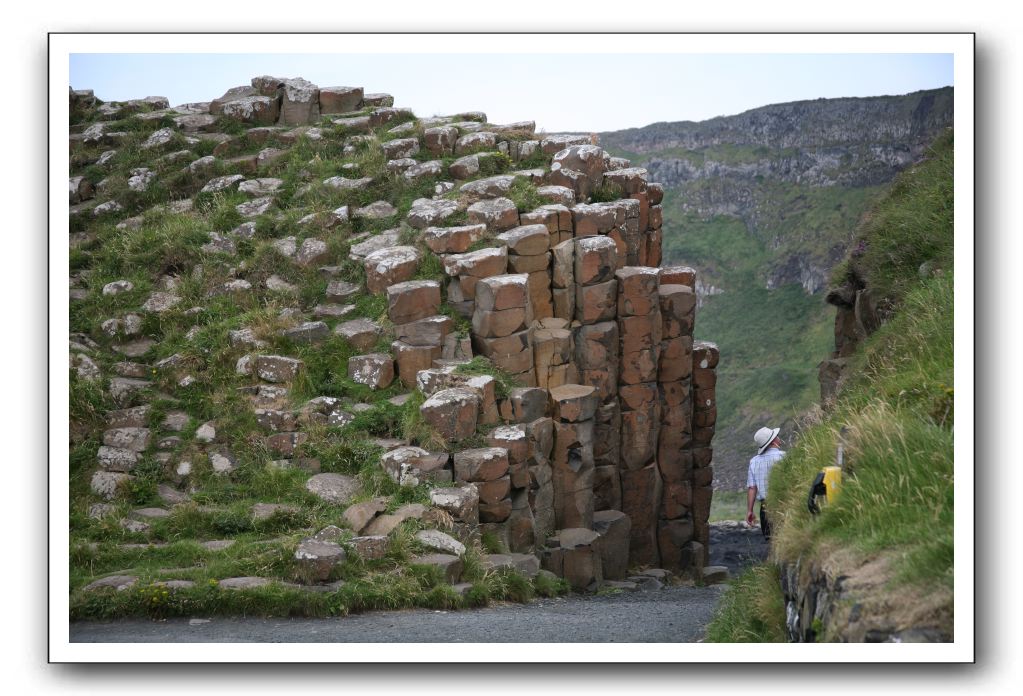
(760, 470)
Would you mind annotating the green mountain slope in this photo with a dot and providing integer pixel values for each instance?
(889, 533)
(764, 205)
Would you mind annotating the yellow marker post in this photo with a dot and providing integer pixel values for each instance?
(832, 482)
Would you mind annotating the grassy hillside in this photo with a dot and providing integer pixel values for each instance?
(177, 518)
(891, 529)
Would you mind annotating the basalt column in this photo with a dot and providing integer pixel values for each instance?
(675, 527)
(639, 330)
(596, 351)
(705, 360)
(573, 407)
(502, 324)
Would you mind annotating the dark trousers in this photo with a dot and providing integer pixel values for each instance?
(765, 524)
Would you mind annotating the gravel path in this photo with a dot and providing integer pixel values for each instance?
(673, 614)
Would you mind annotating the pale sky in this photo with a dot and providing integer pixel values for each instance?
(561, 92)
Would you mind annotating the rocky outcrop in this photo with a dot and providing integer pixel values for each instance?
(530, 366)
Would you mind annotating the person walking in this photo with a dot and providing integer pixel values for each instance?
(769, 451)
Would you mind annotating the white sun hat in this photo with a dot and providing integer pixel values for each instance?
(764, 437)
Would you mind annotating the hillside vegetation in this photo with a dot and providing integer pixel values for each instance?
(891, 529)
(185, 373)
(764, 204)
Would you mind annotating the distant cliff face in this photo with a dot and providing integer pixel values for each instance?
(745, 166)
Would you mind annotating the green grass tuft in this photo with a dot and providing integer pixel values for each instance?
(752, 609)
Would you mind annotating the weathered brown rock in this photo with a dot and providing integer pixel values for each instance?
(469, 267)
(370, 547)
(581, 554)
(596, 303)
(573, 402)
(363, 334)
(277, 368)
(498, 214)
(526, 240)
(640, 430)
(412, 300)
(501, 322)
(493, 492)
(502, 292)
(637, 290)
(453, 240)
(389, 266)
(495, 512)
(336, 489)
(461, 502)
(375, 370)
(614, 529)
(596, 355)
(452, 412)
(524, 404)
(673, 537)
(413, 358)
(596, 260)
(641, 495)
(678, 305)
(705, 355)
(286, 444)
(315, 560)
(430, 331)
(630, 180)
(483, 464)
(340, 100)
(573, 473)
(358, 516)
(440, 140)
(450, 567)
(675, 360)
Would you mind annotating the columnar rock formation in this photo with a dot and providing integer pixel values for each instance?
(596, 460)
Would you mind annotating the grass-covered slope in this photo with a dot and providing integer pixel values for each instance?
(891, 529)
(160, 240)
